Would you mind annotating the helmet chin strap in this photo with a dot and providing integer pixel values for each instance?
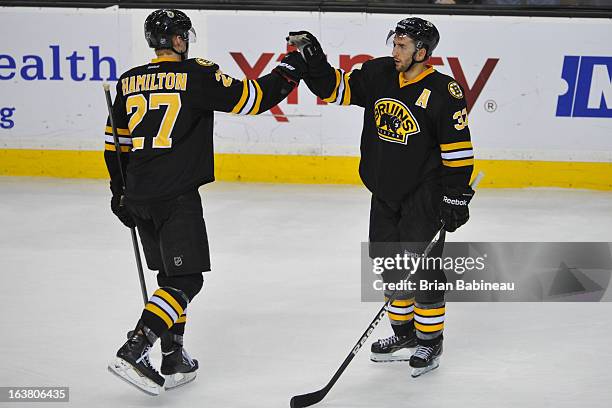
(184, 53)
(414, 61)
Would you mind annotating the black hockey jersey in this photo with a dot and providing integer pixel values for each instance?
(413, 131)
(163, 113)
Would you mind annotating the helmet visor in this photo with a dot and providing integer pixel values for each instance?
(395, 33)
(191, 35)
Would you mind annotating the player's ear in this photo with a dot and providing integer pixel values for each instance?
(421, 55)
(177, 41)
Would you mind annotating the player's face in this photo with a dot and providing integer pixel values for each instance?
(403, 49)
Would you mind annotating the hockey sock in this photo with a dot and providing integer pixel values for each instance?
(163, 309)
(179, 325)
(401, 315)
(174, 336)
(429, 321)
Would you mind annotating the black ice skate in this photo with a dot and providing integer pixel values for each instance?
(132, 363)
(178, 368)
(425, 358)
(389, 349)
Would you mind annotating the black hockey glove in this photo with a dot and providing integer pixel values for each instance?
(454, 207)
(121, 211)
(292, 67)
(308, 45)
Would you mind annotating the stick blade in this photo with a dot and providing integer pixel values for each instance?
(306, 400)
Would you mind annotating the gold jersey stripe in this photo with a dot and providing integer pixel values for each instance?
(159, 313)
(456, 146)
(182, 319)
(171, 301)
(243, 97)
(458, 163)
(404, 318)
(332, 98)
(346, 100)
(428, 329)
(120, 131)
(430, 312)
(111, 147)
(255, 110)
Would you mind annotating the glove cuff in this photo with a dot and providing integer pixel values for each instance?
(457, 196)
(292, 82)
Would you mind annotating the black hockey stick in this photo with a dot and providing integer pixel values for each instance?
(109, 105)
(306, 400)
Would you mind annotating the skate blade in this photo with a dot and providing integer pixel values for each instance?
(417, 372)
(399, 355)
(129, 374)
(178, 379)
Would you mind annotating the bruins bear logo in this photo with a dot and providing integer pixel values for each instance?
(394, 121)
(455, 90)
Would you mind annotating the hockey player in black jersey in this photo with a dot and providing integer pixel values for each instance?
(163, 113)
(416, 159)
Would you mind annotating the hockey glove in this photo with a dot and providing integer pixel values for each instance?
(308, 45)
(292, 67)
(121, 211)
(454, 207)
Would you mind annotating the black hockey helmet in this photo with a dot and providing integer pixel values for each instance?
(423, 33)
(161, 25)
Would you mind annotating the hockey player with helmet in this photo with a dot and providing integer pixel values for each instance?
(163, 113)
(416, 160)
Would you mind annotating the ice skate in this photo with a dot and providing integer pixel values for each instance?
(394, 348)
(178, 368)
(425, 359)
(132, 364)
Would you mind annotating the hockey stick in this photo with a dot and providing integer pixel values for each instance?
(306, 400)
(109, 105)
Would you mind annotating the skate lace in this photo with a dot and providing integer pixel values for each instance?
(188, 358)
(388, 341)
(144, 357)
(423, 352)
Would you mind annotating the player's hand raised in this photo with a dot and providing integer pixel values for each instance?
(308, 45)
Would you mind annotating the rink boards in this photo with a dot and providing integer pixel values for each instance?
(310, 169)
(539, 111)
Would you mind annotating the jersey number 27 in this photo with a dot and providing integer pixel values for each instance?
(137, 106)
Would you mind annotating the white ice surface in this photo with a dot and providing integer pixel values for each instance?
(281, 308)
